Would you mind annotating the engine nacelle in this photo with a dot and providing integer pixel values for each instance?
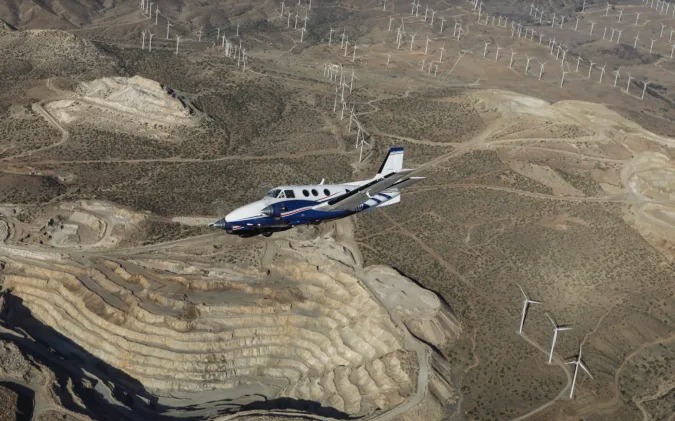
(274, 210)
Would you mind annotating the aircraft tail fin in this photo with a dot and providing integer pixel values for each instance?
(393, 162)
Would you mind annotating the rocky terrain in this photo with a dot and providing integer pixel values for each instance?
(133, 105)
(178, 335)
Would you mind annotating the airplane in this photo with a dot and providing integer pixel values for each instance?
(285, 207)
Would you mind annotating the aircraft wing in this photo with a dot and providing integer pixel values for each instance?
(351, 200)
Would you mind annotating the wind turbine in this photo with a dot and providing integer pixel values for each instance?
(513, 53)
(442, 24)
(150, 45)
(485, 50)
(556, 329)
(577, 363)
(527, 65)
(578, 61)
(651, 47)
(412, 40)
(443, 50)
(637, 18)
(618, 37)
(562, 79)
(671, 50)
(178, 37)
(497, 53)
(526, 305)
(637, 37)
(143, 40)
(663, 26)
(628, 84)
(620, 15)
(644, 88)
(541, 69)
(156, 14)
(283, 4)
(590, 69)
(592, 26)
(168, 25)
(602, 72)
(617, 72)
(426, 47)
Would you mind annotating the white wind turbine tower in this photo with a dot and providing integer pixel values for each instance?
(651, 47)
(590, 69)
(541, 69)
(628, 84)
(671, 50)
(143, 40)
(592, 26)
(354, 54)
(288, 20)
(302, 34)
(644, 88)
(513, 53)
(330, 36)
(199, 36)
(616, 75)
(412, 40)
(168, 25)
(156, 14)
(562, 79)
(442, 24)
(618, 37)
(150, 44)
(485, 50)
(526, 305)
(527, 65)
(497, 53)
(178, 37)
(556, 329)
(637, 37)
(637, 18)
(443, 50)
(602, 72)
(283, 4)
(577, 363)
(426, 47)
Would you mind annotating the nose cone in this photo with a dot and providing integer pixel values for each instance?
(220, 224)
(245, 212)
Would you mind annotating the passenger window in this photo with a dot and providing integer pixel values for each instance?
(326, 192)
(289, 194)
(305, 193)
(315, 193)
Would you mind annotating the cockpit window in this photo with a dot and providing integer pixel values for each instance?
(273, 193)
(289, 194)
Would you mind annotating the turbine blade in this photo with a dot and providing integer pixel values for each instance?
(551, 319)
(523, 291)
(571, 362)
(564, 328)
(583, 367)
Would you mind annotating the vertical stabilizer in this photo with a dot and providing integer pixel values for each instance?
(393, 161)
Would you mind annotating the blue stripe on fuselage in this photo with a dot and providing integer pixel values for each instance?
(298, 212)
